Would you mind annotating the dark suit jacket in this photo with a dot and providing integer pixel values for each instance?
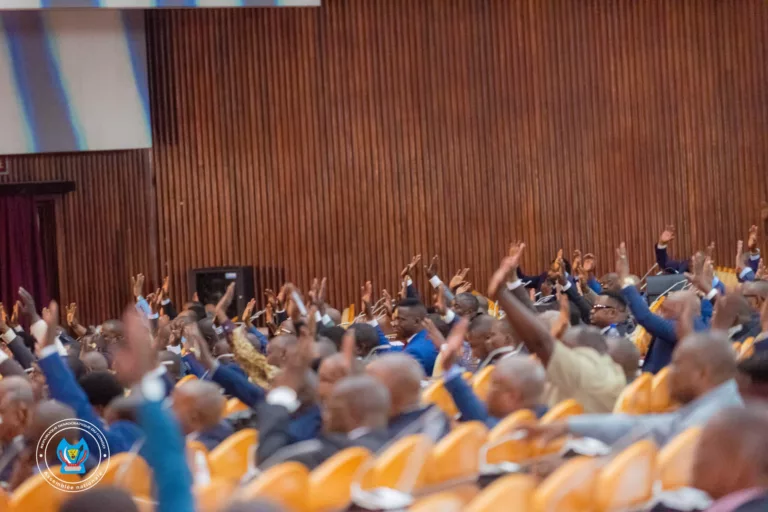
(314, 452)
(278, 428)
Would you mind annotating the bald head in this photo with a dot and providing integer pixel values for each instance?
(45, 414)
(277, 349)
(198, 404)
(331, 370)
(401, 375)
(482, 303)
(95, 362)
(516, 383)
(16, 401)
(325, 347)
(466, 304)
(675, 303)
(701, 362)
(585, 336)
(733, 438)
(335, 315)
(625, 354)
(357, 401)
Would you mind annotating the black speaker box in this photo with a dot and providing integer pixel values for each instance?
(211, 283)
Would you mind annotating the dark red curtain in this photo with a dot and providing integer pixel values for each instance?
(21, 255)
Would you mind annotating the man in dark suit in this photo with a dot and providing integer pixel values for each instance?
(356, 415)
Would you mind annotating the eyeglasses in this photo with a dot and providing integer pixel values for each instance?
(597, 307)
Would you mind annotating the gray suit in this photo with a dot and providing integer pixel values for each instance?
(610, 428)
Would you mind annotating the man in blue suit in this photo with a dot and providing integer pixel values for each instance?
(409, 317)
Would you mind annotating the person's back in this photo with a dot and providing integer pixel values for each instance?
(100, 499)
(734, 438)
(402, 376)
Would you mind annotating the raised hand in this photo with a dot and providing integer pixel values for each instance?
(500, 276)
(752, 239)
(515, 251)
(458, 279)
(283, 295)
(761, 272)
(764, 316)
(453, 345)
(51, 318)
(465, 287)
(408, 270)
(576, 261)
(564, 319)
(667, 235)
(366, 298)
(224, 303)
(27, 306)
(589, 262)
(622, 262)
(349, 348)
(321, 291)
(710, 250)
(440, 305)
(13, 321)
(435, 336)
(137, 284)
(3, 319)
(740, 256)
(387, 302)
(72, 314)
(248, 312)
(431, 270)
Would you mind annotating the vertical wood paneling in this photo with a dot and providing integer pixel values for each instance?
(339, 141)
(103, 228)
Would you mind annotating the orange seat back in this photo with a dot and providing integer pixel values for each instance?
(562, 411)
(747, 349)
(512, 492)
(446, 501)
(185, 379)
(661, 400)
(482, 382)
(232, 457)
(675, 460)
(38, 495)
(457, 454)
(636, 397)
(213, 496)
(438, 395)
(129, 471)
(286, 484)
(330, 483)
(234, 405)
(627, 481)
(511, 423)
(569, 489)
(402, 466)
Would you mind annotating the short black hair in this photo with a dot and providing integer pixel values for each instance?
(101, 388)
(615, 296)
(333, 333)
(99, 499)
(756, 367)
(366, 337)
(469, 300)
(197, 308)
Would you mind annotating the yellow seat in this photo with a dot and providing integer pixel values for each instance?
(747, 348)
(512, 492)
(231, 458)
(129, 471)
(736, 347)
(562, 411)
(330, 483)
(4, 499)
(446, 501)
(661, 401)
(636, 397)
(438, 395)
(348, 316)
(456, 456)
(234, 405)
(675, 462)
(213, 496)
(569, 488)
(38, 495)
(626, 481)
(286, 484)
(482, 381)
(511, 423)
(402, 466)
(185, 379)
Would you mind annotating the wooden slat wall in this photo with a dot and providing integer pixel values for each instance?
(104, 228)
(338, 141)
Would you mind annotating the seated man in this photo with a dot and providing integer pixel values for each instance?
(577, 367)
(199, 407)
(408, 321)
(402, 376)
(332, 369)
(16, 402)
(701, 378)
(625, 354)
(734, 439)
(356, 415)
(610, 314)
(516, 383)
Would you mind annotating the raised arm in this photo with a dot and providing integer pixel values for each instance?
(533, 333)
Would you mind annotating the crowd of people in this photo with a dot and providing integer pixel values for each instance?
(314, 386)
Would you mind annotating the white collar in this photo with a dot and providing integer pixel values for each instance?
(358, 433)
(734, 330)
(158, 372)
